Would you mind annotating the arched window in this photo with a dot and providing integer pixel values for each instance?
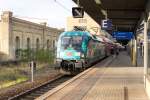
(48, 44)
(28, 43)
(17, 46)
(53, 43)
(17, 43)
(37, 43)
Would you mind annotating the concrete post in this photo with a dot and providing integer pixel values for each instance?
(32, 74)
(145, 48)
(32, 68)
(135, 52)
(145, 51)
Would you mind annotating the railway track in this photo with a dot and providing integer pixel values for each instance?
(38, 91)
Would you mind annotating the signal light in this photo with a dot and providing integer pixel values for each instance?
(77, 12)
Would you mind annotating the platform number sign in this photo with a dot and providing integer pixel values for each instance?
(77, 12)
(106, 24)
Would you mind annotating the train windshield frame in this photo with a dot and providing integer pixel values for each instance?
(73, 42)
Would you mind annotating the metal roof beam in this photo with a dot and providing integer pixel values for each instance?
(122, 24)
(126, 9)
(118, 18)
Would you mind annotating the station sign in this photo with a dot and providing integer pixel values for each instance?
(106, 24)
(77, 12)
(123, 35)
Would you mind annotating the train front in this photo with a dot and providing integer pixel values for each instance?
(70, 51)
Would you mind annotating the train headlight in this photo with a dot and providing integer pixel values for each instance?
(82, 55)
(78, 54)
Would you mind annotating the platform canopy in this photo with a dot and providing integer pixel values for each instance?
(124, 14)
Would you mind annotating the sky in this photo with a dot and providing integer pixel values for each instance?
(54, 12)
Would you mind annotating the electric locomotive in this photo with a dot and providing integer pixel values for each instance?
(77, 50)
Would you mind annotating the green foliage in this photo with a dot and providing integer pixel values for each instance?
(40, 55)
(23, 54)
(44, 56)
(10, 74)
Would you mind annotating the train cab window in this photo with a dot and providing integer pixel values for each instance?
(65, 42)
(73, 42)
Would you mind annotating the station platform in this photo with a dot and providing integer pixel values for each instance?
(111, 79)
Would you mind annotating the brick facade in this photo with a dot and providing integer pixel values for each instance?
(16, 33)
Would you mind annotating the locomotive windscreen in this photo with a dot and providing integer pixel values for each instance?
(71, 42)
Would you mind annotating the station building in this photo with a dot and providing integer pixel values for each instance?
(17, 33)
(87, 23)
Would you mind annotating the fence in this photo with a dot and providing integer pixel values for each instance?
(20, 71)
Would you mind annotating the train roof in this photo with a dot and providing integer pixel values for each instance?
(81, 33)
(75, 33)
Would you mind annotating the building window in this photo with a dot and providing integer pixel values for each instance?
(48, 44)
(17, 43)
(28, 43)
(82, 21)
(17, 46)
(37, 43)
(53, 43)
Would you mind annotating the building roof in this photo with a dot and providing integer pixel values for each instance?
(124, 14)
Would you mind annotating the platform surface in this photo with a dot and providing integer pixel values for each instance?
(116, 80)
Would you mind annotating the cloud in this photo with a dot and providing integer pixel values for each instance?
(40, 9)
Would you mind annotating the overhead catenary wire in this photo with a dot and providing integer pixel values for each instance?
(60, 4)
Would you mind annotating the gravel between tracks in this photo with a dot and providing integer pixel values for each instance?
(22, 87)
